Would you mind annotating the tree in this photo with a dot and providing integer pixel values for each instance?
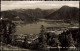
(9, 28)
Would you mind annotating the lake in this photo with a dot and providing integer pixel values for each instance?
(34, 28)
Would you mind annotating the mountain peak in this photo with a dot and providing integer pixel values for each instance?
(65, 6)
(65, 13)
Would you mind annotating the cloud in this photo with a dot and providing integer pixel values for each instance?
(9, 5)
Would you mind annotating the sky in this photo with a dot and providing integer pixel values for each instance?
(9, 5)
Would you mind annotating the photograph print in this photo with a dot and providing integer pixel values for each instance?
(39, 26)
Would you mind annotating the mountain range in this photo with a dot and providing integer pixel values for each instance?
(31, 15)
